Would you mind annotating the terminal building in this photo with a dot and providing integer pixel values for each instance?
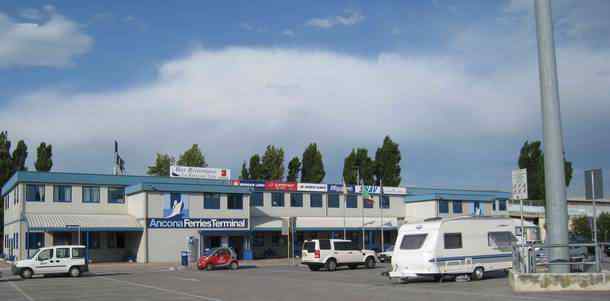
(152, 219)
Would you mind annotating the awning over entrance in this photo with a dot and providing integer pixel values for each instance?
(325, 223)
(86, 222)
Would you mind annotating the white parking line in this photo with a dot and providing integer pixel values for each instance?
(161, 289)
(188, 279)
(17, 288)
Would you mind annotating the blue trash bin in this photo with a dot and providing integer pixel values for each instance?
(184, 258)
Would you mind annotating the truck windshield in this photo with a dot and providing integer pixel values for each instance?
(412, 242)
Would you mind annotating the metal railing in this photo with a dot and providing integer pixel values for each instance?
(533, 257)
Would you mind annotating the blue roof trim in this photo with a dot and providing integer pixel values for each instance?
(472, 196)
(429, 190)
(86, 229)
(99, 179)
(185, 188)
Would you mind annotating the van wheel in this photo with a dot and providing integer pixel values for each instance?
(331, 265)
(370, 263)
(26, 274)
(74, 272)
(478, 273)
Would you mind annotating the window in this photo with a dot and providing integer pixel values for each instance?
(259, 239)
(116, 195)
(499, 240)
(342, 245)
(91, 194)
(412, 242)
(443, 207)
(62, 253)
(453, 240)
(78, 252)
(211, 201)
(368, 203)
(476, 208)
(457, 207)
(333, 200)
(235, 201)
(34, 193)
(111, 240)
(62, 193)
(309, 246)
(256, 199)
(296, 200)
(352, 201)
(275, 239)
(315, 200)
(493, 205)
(120, 240)
(502, 205)
(95, 240)
(45, 254)
(324, 244)
(16, 195)
(385, 202)
(277, 199)
(35, 240)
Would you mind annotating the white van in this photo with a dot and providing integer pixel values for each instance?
(454, 246)
(53, 260)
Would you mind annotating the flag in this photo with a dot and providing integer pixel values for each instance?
(119, 163)
(344, 187)
(366, 197)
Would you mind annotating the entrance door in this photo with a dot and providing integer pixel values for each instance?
(236, 243)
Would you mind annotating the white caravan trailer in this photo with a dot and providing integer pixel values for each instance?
(462, 245)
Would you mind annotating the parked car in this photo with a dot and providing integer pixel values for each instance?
(221, 257)
(386, 256)
(331, 253)
(53, 260)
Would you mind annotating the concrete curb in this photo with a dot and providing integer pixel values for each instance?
(558, 282)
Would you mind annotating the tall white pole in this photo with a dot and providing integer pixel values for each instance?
(597, 259)
(554, 174)
(381, 211)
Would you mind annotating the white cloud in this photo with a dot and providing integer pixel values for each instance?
(31, 14)
(350, 17)
(288, 32)
(53, 42)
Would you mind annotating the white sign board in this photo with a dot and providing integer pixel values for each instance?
(200, 172)
(520, 184)
(311, 187)
(394, 190)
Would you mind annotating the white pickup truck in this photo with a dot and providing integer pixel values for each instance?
(331, 253)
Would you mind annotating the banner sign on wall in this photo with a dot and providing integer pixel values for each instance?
(198, 223)
(249, 183)
(200, 172)
(276, 185)
(394, 190)
(311, 187)
(339, 188)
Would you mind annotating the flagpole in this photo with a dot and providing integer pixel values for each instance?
(362, 208)
(344, 209)
(381, 211)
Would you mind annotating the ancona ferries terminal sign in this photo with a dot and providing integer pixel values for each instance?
(198, 223)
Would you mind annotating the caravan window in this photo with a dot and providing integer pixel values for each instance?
(453, 240)
(412, 242)
(500, 239)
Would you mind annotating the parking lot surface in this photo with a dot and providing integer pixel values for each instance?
(156, 282)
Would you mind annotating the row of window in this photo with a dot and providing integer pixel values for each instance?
(443, 206)
(212, 201)
(7, 203)
(315, 200)
(11, 241)
(63, 194)
(500, 239)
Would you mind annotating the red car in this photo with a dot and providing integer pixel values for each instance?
(217, 258)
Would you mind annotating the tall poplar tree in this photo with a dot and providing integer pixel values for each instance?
(44, 157)
(313, 165)
(387, 163)
(294, 167)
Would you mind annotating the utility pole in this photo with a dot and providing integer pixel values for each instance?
(556, 205)
(381, 211)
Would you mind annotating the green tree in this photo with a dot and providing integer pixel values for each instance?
(387, 163)
(358, 162)
(162, 165)
(192, 157)
(244, 172)
(20, 154)
(255, 170)
(603, 226)
(531, 158)
(6, 164)
(273, 163)
(313, 165)
(294, 167)
(580, 226)
(44, 155)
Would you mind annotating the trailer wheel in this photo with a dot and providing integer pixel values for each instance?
(478, 273)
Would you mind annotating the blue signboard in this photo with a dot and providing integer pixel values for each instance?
(339, 188)
(198, 223)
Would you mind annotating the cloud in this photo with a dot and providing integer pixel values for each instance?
(53, 42)
(349, 18)
(288, 32)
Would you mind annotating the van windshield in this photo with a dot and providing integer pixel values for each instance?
(412, 242)
(309, 246)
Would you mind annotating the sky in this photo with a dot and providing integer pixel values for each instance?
(455, 83)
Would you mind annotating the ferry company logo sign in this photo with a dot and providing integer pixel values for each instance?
(199, 223)
(175, 206)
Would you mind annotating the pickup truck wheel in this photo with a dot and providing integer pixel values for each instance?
(74, 272)
(26, 274)
(370, 263)
(331, 265)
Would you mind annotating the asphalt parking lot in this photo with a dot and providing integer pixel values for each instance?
(142, 282)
